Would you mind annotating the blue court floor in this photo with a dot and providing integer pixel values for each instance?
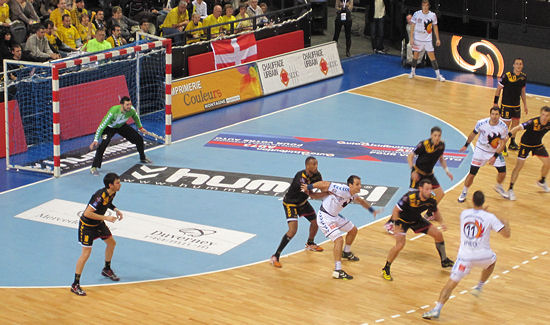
(202, 207)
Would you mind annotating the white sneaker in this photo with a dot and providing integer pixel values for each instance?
(440, 78)
(500, 190)
(94, 171)
(511, 195)
(432, 314)
(544, 186)
(411, 75)
(476, 292)
(462, 197)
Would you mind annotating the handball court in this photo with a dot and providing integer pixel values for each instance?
(379, 105)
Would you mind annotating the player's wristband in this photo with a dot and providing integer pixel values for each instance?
(371, 210)
(496, 100)
(309, 187)
(467, 144)
(496, 155)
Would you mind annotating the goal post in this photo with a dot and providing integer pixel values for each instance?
(60, 104)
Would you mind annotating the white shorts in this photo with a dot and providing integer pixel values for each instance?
(463, 266)
(481, 157)
(333, 227)
(423, 45)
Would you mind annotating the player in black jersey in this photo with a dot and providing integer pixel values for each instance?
(407, 214)
(428, 153)
(531, 142)
(512, 85)
(92, 226)
(295, 204)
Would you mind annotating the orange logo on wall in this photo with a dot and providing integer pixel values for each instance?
(284, 77)
(481, 59)
(324, 66)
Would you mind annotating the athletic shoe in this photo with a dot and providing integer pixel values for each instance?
(386, 275)
(544, 186)
(511, 195)
(94, 171)
(110, 274)
(431, 314)
(146, 161)
(447, 263)
(411, 75)
(462, 197)
(77, 290)
(275, 261)
(476, 291)
(382, 51)
(389, 227)
(341, 274)
(350, 257)
(314, 248)
(429, 217)
(440, 78)
(500, 190)
(513, 146)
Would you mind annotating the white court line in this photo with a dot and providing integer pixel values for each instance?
(395, 316)
(463, 292)
(411, 311)
(544, 253)
(496, 276)
(379, 320)
(424, 307)
(534, 257)
(524, 262)
(505, 272)
(515, 267)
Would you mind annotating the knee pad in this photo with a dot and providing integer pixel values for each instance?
(435, 65)
(474, 170)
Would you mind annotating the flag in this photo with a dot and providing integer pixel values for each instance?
(234, 51)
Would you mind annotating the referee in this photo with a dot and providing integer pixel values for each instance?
(512, 86)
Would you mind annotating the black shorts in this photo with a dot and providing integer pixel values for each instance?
(510, 112)
(87, 234)
(537, 151)
(431, 178)
(420, 225)
(293, 211)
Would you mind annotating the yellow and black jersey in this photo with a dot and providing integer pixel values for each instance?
(428, 155)
(412, 206)
(513, 84)
(294, 195)
(100, 201)
(534, 132)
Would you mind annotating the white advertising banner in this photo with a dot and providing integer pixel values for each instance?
(299, 68)
(163, 231)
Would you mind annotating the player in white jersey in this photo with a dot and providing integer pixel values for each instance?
(493, 134)
(475, 250)
(333, 224)
(424, 23)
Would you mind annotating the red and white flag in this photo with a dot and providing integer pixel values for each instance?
(234, 51)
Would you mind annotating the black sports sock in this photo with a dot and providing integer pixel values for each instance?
(107, 265)
(387, 266)
(310, 241)
(511, 186)
(282, 245)
(542, 179)
(76, 278)
(441, 250)
(513, 140)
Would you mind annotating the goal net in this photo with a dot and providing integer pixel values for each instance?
(52, 110)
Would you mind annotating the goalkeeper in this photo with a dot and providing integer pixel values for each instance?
(115, 122)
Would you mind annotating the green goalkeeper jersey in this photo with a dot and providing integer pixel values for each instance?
(115, 118)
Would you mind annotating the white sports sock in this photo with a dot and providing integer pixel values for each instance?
(347, 248)
(338, 265)
(438, 306)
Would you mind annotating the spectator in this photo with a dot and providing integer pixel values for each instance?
(227, 18)
(214, 19)
(5, 45)
(245, 24)
(123, 22)
(194, 33)
(167, 6)
(200, 8)
(143, 27)
(55, 43)
(255, 10)
(86, 29)
(43, 8)
(68, 34)
(175, 22)
(5, 21)
(77, 12)
(376, 16)
(98, 43)
(116, 38)
(23, 10)
(99, 20)
(343, 18)
(57, 14)
(38, 46)
(144, 10)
